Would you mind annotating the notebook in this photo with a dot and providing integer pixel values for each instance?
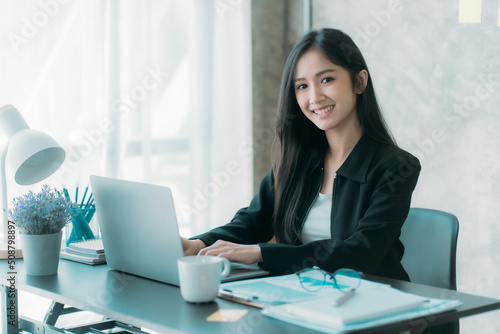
(88, 251)
(92, 246)
(83, 257)
(364, 305)
(139, 230)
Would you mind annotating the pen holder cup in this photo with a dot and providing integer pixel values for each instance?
(80, 219)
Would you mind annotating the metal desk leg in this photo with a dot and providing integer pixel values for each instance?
(10, 315)
(55, 310)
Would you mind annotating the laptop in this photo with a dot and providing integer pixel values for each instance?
(140, 233)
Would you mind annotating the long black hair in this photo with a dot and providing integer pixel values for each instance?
(299, 144)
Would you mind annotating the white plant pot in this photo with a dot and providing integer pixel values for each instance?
(41, 253)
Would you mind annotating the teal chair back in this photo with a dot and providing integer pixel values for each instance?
(430, 240)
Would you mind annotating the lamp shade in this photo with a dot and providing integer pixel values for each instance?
(34, 156)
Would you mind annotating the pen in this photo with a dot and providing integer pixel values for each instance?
(84, 195)
(342, 299)
(229, 294)
(66, 195)
(247, 298)
(88, 201)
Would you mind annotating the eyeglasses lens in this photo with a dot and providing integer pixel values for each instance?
(346, 280)
(312, 280)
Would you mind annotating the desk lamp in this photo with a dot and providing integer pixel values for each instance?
(32, 155)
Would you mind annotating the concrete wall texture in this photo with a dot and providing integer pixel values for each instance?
(438, 82)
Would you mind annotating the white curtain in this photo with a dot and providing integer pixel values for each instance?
(153, 91)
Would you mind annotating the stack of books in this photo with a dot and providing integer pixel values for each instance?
(88, 252)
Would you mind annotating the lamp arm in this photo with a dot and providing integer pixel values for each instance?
(5, 252)
(4, 222)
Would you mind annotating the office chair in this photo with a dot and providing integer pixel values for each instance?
(430, 240)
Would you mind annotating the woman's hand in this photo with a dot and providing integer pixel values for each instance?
(246, 254)
(192, 247)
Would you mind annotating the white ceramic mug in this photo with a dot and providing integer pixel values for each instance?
(199, 277)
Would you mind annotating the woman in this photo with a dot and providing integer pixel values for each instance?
(339, 189)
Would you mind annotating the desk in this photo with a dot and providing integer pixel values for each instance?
(160, 307)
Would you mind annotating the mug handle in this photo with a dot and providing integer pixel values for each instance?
(227, 267)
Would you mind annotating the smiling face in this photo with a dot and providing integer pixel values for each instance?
(325, 93)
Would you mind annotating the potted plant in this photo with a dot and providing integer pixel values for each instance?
(40, 219)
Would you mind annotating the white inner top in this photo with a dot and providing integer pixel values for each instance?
(317, 224)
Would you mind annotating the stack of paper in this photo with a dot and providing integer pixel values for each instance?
(88, 252)
(368, 307)
(372, 304)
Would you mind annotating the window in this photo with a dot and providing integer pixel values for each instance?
(151, 91)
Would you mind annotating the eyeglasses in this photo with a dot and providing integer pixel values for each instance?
(345, 280)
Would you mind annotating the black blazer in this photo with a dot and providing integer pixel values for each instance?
(371, 199)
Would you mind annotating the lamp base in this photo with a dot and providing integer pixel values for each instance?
(4, 254)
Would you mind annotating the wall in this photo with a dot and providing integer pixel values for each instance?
(438, 82)
(276, 26)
